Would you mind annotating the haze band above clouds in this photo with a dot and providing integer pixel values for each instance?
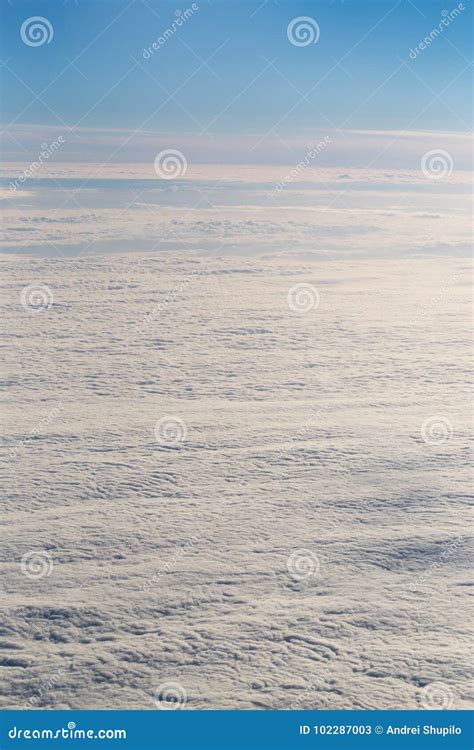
(367, 149)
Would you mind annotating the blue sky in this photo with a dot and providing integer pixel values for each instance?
(362, 53)
(242, 105)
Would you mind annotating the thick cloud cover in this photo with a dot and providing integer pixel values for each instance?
(295, 536)
(323, 212)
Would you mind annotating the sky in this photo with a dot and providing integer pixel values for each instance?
(228, 82)
(343, 124)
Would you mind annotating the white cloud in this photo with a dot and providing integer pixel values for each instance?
(365, 214)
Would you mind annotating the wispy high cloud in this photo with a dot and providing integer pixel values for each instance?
(110, 148)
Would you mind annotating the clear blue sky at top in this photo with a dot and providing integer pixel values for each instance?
(88, 92)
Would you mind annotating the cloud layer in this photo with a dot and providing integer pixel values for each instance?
(291, 545)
